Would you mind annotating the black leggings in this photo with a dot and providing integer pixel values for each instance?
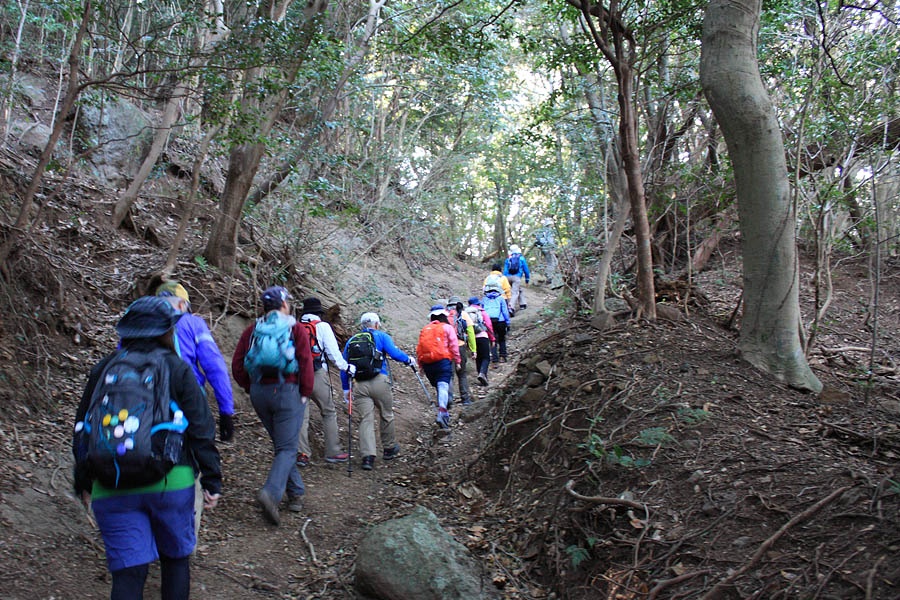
(500, 334)
(128, 583)
(482, 354)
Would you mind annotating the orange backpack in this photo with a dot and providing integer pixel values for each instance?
(314, 348)
(432, 345)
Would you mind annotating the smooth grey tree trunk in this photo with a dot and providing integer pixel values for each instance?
(729, 74)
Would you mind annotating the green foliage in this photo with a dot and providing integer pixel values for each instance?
(692, 416)
(579, 554)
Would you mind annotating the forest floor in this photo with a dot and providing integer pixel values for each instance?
(700, 468)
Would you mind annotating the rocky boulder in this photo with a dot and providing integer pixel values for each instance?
(120, 133)
(413, 558)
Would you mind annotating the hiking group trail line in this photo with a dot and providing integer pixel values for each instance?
(238, 554)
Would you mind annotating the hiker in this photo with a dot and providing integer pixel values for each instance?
(198, 349)
(323, 345)
(141, 488)
(273, 363)
(496, 280)
(484, 337)
(515, 268)
(465, 334)
(196, 346)
(371, 389)
(495, 306)
(545, 239)
(438, 351)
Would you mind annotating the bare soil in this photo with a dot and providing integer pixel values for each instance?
(696, 467)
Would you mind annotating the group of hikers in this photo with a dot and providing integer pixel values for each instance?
(146, 461)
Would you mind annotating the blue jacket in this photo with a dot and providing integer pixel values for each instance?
(383, 344)
(504, 309)
(523, 268)
(197, 347)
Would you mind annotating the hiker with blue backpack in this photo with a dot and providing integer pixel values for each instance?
(142, 427)
(368, 351)
(497, 279)
(494, 305)
(515, 268)
(272, 362)
(198, 348)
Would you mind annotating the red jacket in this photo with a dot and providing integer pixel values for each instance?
(304, 377)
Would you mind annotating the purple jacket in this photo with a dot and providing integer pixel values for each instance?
(197, 347)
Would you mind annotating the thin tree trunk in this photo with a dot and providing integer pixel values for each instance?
(10, 85)
(729, 73)
(23, 222)
(186, 217)
(170, 114)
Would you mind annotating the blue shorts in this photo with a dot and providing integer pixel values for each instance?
(441, 370)
(136, 528)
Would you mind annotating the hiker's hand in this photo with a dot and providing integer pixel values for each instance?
(210, 500)
(86, 499)
(351, 370)
(412, 363)
(303, 399)
(226, 427)
(346, 397)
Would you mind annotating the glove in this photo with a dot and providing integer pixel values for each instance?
(226, 427)
(351, 370)
(412, 363)
(346, 397)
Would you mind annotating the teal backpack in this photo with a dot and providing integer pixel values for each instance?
(271, 352)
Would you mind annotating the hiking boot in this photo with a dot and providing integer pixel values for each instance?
(295, 503)
(338, 458)
(482, 379)
(443, 420)
(503, 359)
(303, 460)
(270, 508)
(368, 462)
(523, 307)
(391, 453)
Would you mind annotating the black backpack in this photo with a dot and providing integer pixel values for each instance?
(461, 326)
(514, 265)
(133, 431)
(362, 354)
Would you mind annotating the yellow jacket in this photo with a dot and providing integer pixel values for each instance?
(507, 289)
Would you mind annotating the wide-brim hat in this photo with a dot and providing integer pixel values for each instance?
(438, 309)
(147, 317)
(313, 306)
(514, 249)
(454, 300)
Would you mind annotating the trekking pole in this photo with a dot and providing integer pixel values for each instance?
(390, 375)
(350, 429)
(424, 389)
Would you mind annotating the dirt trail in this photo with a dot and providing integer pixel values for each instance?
(57, 554)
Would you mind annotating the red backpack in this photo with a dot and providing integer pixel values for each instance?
(314, 347)
(432, 345)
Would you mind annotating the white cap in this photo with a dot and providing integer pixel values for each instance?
(514, 249)
(369, 318)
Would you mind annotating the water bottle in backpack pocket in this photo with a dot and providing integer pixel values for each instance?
(132, 432)
(271, 353)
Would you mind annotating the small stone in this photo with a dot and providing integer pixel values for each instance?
(543, 368)
(534, 379)
(742, 542)
(696, 476)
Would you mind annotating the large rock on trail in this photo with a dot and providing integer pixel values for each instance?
(120, 134)
(412, 558)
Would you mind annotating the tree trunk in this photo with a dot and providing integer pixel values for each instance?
(243, 163)
(170, 114)
(23, 222)
(729, 73)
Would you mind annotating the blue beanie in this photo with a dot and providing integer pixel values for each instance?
(474, 301)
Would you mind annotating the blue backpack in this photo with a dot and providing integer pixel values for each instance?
(493, 306)
(132, 432)
(514, 265)
(271, 352)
